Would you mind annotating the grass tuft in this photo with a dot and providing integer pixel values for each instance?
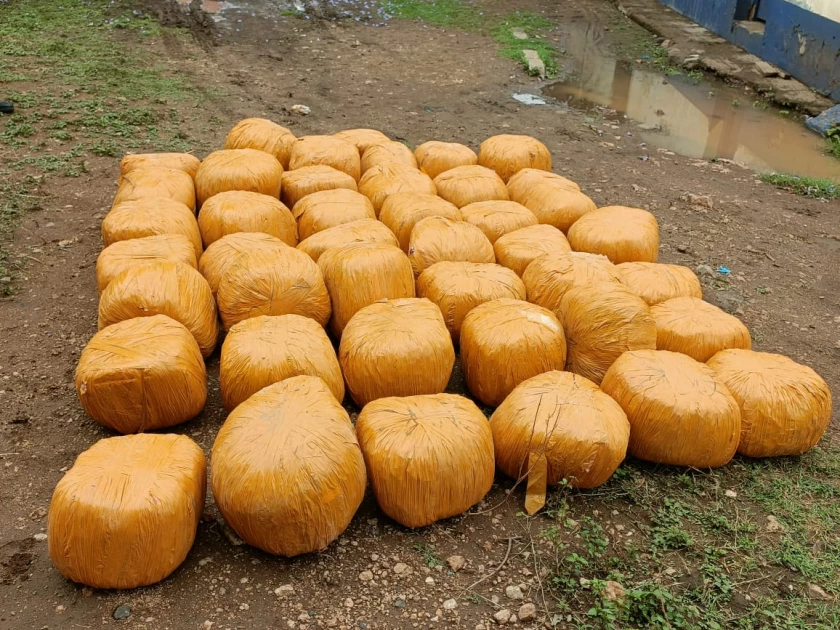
(806, 186)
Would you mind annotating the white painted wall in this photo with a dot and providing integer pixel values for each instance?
(827, 8)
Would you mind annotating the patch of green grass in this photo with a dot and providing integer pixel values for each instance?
(430, 556)
(832, 143)
(806, 186)
(438, 12)
(535, 27)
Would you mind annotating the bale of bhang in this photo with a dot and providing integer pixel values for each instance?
(243, 211)
(553, 204)
(163, 288)
(508, 154)
(681, 413)
(438, 239)
(180, 161)
(223, 254)
(122, 255)
(388, 152)
(151, 217)
(125, 515)
(384, 180)
(657, 282)
(528, 178)
(326, 151)
(396, 348)
(238, 169)
(362, 138)
(328, 208)
(263, 350)
(621, 234)
(402, 211)
(464, 185)
(434, 158)
(518, 249)
(429, 457)
(311, 179)
(497, 218)
(286, 470)
(263, 135)
(360, 231)
(505, 342)
(153, 182)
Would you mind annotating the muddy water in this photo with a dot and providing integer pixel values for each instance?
(700, 120)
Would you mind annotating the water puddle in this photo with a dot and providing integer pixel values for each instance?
(209, 6)
(699, 120)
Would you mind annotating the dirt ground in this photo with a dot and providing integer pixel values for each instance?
(418, 82)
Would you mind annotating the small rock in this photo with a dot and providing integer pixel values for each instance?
(456, 563)
(773, 524)
(480, 626)
(348, 603)
(204, 561)
(399, 603)
(514, 592)
(650, 127)
(704, 201)
(366, 576)
(518, 33)
(765, 69)
(40, 537)
(430, 581)
(527, 612)
(122, 612)
(207, 624)
(502, 616)
(374, 557)
(818, 593)
(536, 67)
(285, 590)
(303, 110)
(666, 43)
(731, 494)
(450, 604)
(400, 568)
(614, 591)
(704, 270)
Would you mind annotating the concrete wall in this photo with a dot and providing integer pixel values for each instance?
(827, 8)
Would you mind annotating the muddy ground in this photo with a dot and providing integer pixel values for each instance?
(418, 82)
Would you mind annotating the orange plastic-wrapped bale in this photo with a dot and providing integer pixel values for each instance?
(549, 277)
(508, 154)
(566, 420)
(179, 161)
(242, 211)
(438, 239)
(381, 181)
(326, 151)
(429, 457)
(263, 135)
(152, 182)
(126, 513)
(283, 281)
(328, 208)
(602, 321)
(528, 178)
(360, 231)
(360, 274)
(680, 411)
(150, 217)
(497, 218)
(142, 374)
(362, 138)
(264, 350)
(553, 204)
(396, 348)
(657, 282)
(785, 406)
(505, 342)
(464, 185)
(458, 287)
(697, 328)
(163, 288)
(434, 158)
(122, 255)
(311, 179)
(238, 169)
(387, 152)
(619, 233)
(401, 212)
(223, 254)
(518, 249)
(286, 470)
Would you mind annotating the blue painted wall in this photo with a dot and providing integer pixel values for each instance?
(805, 44)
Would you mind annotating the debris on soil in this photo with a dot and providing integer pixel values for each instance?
(122, 612)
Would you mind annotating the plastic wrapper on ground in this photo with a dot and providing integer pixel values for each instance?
(122, 255)
(238, 169)
(241, 211)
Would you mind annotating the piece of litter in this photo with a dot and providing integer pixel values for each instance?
(724, 271)
(529, 99)
(303, 110)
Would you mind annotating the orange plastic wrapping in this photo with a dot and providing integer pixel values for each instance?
(396, 348)
(150, 217)
(360, 231)
(326, 151)
(283, 281)
(785, 406)
(438, 239)
(388, 152)
(516, 250)
(657, 282)
(328, 208)
(152, 182)
(142, 374)
(509, 154)
(464, 185)
(360, 274)
(286, 470)
(223, 254)
(242, 211)
(521, 184)
(163, 288)
(362, 138)
(582, 432)
(505, 342)
(238, 169)
(381, 181)
(263, 135)
(552, 203)
(264, 350)
(434, 158)
(602, 321)
(680, 411)
(619, 233)
(179, 161)
(126, 513)
(429, 457)
(497, 218)
(697, 328)
(549, 277)
(311, 179)
(458, 287)
(401, 212)
(122, 255)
